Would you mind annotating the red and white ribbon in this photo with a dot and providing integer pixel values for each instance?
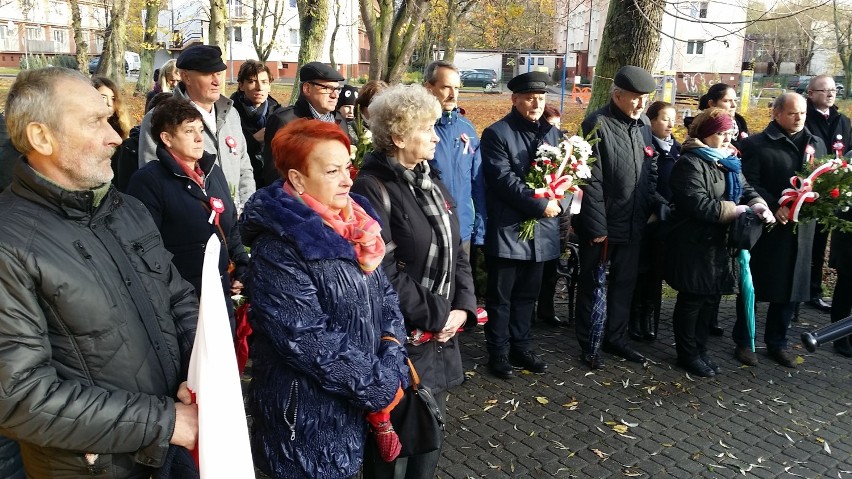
(802, 190)
(217, 207)
(466, 140)
(556, 189)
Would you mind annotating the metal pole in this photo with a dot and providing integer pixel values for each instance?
(564, 70)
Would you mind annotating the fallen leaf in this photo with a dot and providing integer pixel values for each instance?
(629, 424)
(841, 413)
(600, 453)
(826, 448)
(619, 428)
(799, 360)
(721, 405)
(541, 400)
(491, 401)
(573, 405)
(723, 444)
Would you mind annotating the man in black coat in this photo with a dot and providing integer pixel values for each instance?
(255, 106)
(515, 266)
(617, 203)
(318, 96)
(781, 259)
(825, 121)
(9, 156)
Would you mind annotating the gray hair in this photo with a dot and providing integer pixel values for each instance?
(781, 101)
(432, 70)
(396, 111)
(33, 99)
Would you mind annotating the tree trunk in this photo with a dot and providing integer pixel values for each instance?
(218, 32)
(628, 39)
(451, 31)
(82, 52)
(149, 46)
(262, 46)
(313, 20)
(403, 38)
(378, 28)
(843, 34)
(334, 34)
(112, 58)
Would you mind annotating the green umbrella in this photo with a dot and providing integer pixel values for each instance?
(747, 292)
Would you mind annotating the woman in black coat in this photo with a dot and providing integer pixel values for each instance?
(189, 199)
(428, 267)
(709, 191)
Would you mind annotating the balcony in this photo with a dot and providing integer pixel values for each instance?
(9, 45)
(44, 46)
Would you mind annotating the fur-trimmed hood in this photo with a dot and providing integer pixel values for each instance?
(272, 211)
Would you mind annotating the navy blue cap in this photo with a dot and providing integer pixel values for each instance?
(201, 58)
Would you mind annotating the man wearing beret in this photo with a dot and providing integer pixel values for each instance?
(201, 68)
(515, 266)
(318, 96)
(618, 201)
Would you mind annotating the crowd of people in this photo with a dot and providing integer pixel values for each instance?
(360, 281)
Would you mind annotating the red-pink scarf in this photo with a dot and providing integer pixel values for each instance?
(353, 224)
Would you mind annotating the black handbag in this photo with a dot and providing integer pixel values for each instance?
(745, 230)
(417, 419)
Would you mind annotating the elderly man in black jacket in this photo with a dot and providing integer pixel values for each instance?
(318, 95)
(97, 324)
(515, 266)
(825, 121)
(617, 203)
(781, 259)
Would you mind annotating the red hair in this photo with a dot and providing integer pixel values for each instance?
(293, 144)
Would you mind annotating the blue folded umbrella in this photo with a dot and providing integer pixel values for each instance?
(747, 292)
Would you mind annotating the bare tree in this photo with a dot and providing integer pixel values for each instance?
(334, 32)
(843, 33)
(392, 27)
(313, 20)
(265, 12)
(149, 46)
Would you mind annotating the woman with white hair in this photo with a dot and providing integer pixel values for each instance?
(428, 268)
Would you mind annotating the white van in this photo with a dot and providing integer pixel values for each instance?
(133, 62)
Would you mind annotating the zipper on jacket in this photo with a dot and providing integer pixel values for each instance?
(144, 244)
(87, 257)
(292, 405)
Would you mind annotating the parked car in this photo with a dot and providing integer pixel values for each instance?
(96, 61)
(798, 83)
(486, 70)
(481, 79)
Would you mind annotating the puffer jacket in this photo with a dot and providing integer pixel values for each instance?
(621, 195)
(508, 149)
(319, 363)
(459, 160)
(439, 365)
(234, 161)
(9, 156)
(102, 323)
(698, 260)
(181, 210)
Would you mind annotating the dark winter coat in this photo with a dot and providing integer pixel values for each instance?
(279, 119)
(318, 358)
(181, 210)
(11, 466)
(742, 130)
(665, 162)
(439, 365)
(827, 129)
(508, 149)
(698, 260)
(9, 156)
(781, 259)
(622, 193)
(250, 127)
(103, 326)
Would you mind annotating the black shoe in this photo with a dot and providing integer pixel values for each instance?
(842, 348)
(527, 360)
(820, 304)
(593, 362)
(554, 321)
(745, 355)
(635, 336)
(499, 366)
(716, 331)
(649, 336)
(712, 365)
(624, 351)
(697, 367)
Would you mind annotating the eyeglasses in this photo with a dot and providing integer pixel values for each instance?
(326, 88)
(826, 90)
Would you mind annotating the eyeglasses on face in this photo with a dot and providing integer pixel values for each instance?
(326, 88)
(826, 90)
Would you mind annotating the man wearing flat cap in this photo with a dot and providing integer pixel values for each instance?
(618, 202)
(515, 266)
(201, 68)
(318, 95)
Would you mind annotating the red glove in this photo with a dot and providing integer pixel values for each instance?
(386, 438)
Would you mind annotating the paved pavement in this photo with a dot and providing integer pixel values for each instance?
(764, 422)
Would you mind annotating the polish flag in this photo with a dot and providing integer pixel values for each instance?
(223, 449)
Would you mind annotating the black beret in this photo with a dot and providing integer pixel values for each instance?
(201, 58)
(347, 96)
(530, 82)
(319, 71)
(634, 79)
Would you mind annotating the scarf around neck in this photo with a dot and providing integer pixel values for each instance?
(732, 167)
(353, 224)
(437, 275)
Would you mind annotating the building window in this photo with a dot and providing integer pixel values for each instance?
(695, 47)
(60, 36)
(541, 60)
(238, 9)
(238, 34)
(292, 3)
(522, 61)
(35, 33)
(294, 36)
(698, 9)
(4, 32)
